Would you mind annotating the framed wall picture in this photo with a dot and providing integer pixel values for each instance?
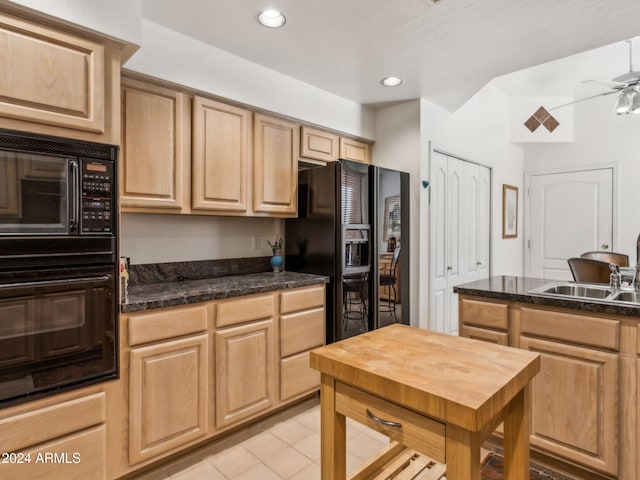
(509, 211)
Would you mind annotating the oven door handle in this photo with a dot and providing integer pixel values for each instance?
(66, 281)
(74, 187)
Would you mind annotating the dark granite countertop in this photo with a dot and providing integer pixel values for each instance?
(516, 289)
(169, 294)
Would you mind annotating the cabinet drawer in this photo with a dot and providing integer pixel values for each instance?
(78, 457)
(416, 431)
(43, 424)
(491, 336)
(485, 314)
(301, 299)
(297, 377)
(245, 309)
(581, 329)
(301, 331)
(166, 323)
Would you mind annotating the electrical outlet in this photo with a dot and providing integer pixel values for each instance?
(257, 242)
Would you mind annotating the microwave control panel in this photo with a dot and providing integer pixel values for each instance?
(98, 187)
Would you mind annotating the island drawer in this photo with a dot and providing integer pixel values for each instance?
(301, 299)
(571, 328)
(415, 431)
(484, 314)
(301, 331)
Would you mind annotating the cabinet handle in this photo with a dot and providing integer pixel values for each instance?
(449, 268)
(479, 263)
(386, 423)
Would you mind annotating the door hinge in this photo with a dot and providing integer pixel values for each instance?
(529, 244)
(529, 192)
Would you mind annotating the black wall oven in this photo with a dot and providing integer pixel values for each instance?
(58, 251)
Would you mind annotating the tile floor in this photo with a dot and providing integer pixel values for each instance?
(283, 447)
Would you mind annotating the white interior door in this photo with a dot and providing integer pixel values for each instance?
(438, 243)
(569, 213)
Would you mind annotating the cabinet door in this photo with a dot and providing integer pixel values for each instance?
(221, 156)
(275, 166)
(167, 396)
(155, 151)
(574, 404)
(61, 84)
(245, 371)
(354, 150)
(319, 145)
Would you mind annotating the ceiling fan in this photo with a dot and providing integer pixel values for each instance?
(627, 84)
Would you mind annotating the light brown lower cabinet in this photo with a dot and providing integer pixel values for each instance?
(582, 414)
(574, 404)
(193, 372)
(167, 395)
(61, 437)
(245, 371)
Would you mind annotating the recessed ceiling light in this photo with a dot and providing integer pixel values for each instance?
(391, 81)
(271, 19)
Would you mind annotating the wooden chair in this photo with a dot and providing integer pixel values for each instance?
(588, 270)
(619, 259)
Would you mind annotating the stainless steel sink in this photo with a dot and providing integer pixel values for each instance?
(577, 291)
(626, 296)
(586, 291)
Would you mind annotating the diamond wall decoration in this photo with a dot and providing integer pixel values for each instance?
(541, 117)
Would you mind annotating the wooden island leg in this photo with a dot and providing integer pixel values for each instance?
(462, 454)
(516, 438)
(333, 435)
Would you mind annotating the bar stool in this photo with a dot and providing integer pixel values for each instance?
(354, 299)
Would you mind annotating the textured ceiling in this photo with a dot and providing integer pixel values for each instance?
(445, 52)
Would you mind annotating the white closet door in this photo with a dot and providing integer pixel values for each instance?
(484, 222)
(438, 300)
(459, 240)
(454, 245)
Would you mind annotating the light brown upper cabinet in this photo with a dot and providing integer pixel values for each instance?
(275, 166)
(221, 156)
(354, 150)
(319, 144)
(68, 86)
(155, 149)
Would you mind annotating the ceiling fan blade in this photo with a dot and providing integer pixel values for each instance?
(582, 100)
(606, 83)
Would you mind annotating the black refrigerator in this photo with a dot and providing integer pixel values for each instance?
(353, 226)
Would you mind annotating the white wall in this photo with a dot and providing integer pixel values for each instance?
(398, 147)
(480, 132)
(153, 238)
(601, 137)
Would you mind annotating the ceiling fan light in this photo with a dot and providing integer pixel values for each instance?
(623, 104)
(635, 103)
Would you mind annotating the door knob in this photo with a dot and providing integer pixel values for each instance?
(605, 246)
(479, 263)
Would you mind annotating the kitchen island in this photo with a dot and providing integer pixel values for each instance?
(436, 394)
(584, 402)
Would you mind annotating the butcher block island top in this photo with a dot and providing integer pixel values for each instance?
(438, 394)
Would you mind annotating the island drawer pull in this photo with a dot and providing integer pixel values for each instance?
(386, 423)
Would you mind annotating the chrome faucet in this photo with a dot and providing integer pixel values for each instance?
(615, 279)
